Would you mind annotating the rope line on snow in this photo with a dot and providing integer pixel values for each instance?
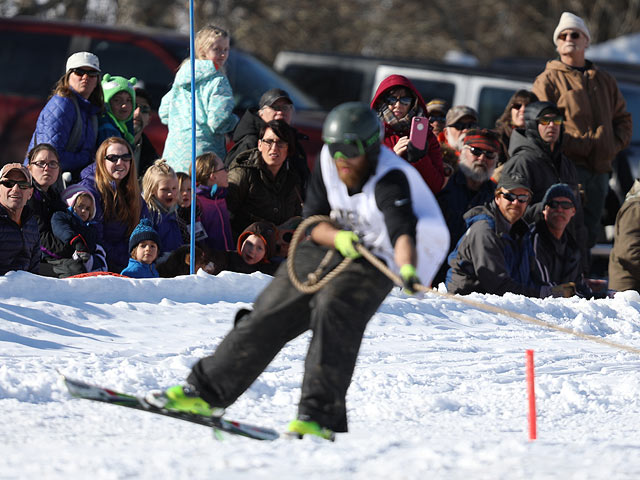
(315, 283)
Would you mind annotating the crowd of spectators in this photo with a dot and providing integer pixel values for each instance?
(521, 201)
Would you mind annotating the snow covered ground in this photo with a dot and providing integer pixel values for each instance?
(439, 390)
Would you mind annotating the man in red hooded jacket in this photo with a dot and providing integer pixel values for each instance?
(397, 101)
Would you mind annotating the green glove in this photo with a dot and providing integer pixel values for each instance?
(345, 242)
(409, 278)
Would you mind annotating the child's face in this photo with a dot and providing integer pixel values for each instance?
(167, 192)
(185, 193)
(253, 249)
(219, 175)
(145, 252)
(121, 105)
(83, 207)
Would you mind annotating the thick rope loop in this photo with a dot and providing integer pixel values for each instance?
(311, 287)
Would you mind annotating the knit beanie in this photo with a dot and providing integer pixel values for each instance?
(70, 194)
(569, 20)
(143, 231)
(558, 190)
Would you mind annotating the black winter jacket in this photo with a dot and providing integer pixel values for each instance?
(19, 245)
(66, 226)
(245, 137)
(44, 205)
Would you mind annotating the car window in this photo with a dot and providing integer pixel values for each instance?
(46, 54)
(430, 89)
(249, 79)
(330, 86)
(631, 94)
(491, 104)
(130, 60)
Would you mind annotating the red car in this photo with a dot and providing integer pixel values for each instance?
(34, 54)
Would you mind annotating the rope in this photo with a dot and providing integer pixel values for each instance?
(375, 261)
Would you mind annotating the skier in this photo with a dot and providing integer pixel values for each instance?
(377, 199)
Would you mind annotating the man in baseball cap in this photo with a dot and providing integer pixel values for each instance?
(20, 248)
(459, 119)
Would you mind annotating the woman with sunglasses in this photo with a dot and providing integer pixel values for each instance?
(119, 206)
(397, 102)
(69, 120)
(512, 117)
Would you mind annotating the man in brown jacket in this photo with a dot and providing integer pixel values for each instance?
(624, 261)
(597, 124)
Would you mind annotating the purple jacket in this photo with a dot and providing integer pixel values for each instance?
(111, 234)
(215, 218)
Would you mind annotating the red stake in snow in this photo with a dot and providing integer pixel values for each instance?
(532, 395)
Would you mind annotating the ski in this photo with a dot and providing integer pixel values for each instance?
(83, 390)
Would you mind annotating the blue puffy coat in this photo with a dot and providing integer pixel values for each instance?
(214, 114)
(113, 235)
(55, 124)
(19, 245)
(136, 269)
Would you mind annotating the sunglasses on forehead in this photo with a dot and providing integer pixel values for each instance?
(573, 35)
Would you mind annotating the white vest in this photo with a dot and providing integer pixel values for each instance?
(360, 213)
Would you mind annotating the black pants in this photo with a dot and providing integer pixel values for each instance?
(337, 316)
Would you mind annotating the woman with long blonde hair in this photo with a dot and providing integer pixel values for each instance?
(119, 205)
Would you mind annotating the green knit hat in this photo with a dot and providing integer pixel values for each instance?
(112, 85)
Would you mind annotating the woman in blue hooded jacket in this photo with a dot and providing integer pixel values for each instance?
(69, 120)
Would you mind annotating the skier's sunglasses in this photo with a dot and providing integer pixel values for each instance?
(350, 146)
(512, 197)
(572, 35)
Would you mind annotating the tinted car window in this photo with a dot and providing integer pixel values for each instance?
(249, 79)
(430, 89)
(323, 81)
(46, 54)
(491, 105)
(128, 60)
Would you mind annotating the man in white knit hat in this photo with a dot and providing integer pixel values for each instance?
(597, 123)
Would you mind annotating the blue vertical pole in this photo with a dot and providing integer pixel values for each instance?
(192, 263)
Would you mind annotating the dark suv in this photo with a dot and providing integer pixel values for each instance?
(34, 53)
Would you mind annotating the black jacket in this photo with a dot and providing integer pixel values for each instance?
(66, 226)
(245, 137)
(43, 205)
(19, 245)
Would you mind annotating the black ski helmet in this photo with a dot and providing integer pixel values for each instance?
(352, 124)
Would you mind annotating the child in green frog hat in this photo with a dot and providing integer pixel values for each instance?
(120, 100)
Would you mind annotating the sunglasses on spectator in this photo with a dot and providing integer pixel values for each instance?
(547, 120)
(392, 100)
(144, 108)
(436, 119)
(42, 165)
(22, 185)
(280, 144)
(555, 204)
(517, 106)
(476, 152)
(573, 35)
(463, 125)
(113, 157)
(81, 72)
(512, 197)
